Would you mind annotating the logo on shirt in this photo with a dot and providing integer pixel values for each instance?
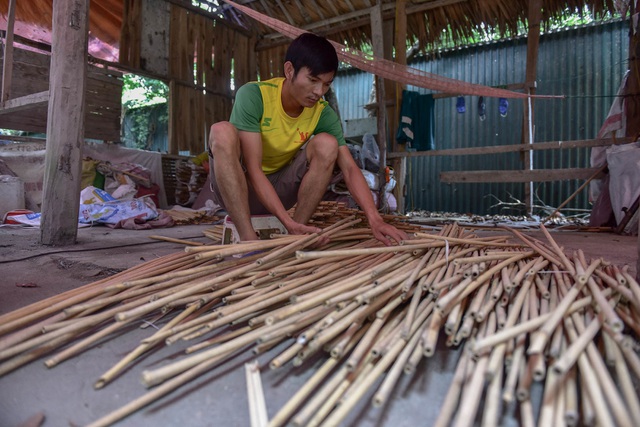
(303, 136)
(266, 122)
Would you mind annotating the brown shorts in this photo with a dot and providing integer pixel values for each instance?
(286, 182)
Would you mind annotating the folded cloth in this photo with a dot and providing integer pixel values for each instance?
(135, 223)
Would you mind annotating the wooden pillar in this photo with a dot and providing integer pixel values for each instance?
(65, 122)
(7, 64)
(528, 132)
(377, 39)
(399, 164)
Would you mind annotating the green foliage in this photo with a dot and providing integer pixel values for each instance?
(144, 103)
(138, 91)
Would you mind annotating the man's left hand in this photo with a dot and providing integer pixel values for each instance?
(387, 233)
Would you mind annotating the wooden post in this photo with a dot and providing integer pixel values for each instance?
(400, 165)
(377, 38)
(65, 123)
(632, 102)
(533, 42)
(7, 63)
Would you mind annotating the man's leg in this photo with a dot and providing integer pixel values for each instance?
(322, 153)
(230, 178)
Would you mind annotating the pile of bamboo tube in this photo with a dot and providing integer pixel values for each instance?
(523, 312)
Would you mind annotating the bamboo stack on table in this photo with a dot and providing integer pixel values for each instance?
(523, 312)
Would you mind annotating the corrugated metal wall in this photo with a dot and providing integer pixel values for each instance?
(584, 64)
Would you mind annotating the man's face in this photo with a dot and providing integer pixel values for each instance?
(307, 89)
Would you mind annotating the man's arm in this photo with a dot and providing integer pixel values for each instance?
(361, 193)
(251, 143)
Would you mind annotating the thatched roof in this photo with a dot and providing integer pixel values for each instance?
(430, 23)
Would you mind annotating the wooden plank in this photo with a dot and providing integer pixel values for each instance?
(377, 41)
(496, 149)
(24, 102)
(7, 63)
(535, 175)
(65, 123)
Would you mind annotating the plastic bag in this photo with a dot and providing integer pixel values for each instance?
(624, 173)
(370, 153)
(98, 206)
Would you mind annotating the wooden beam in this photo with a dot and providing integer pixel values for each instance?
(24, 102)
(65, 123)
(496, 149)
(535, 175)
(377, 41)
(534, 16)
(400, 164)
(186, 4)
(7, 63)
(512, 86)
(353, 19)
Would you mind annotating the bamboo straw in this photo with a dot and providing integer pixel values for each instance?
(540, 339)
(382, 395)
(33, 354)
(473, 389)
(338, 395)
(613, 397)
(570, 388)
(281, 305)
(153, 305)
(108, 376)
(307, 240)
(173, 240)
(626, 385)
(42, 309)
(559, 409)
(451, 399)
(458, 293)
(217, 339)
(346, 405)
(302, 418)
(577, 347)
(517, 359)
(492, 404)
(591, 384)
(156, 393)
(526, 413)
(257, 406)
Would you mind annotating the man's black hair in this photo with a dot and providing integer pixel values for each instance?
(314, 52)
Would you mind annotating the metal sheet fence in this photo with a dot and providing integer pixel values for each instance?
(584, 64)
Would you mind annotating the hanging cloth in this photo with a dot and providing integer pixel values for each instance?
(416, 121)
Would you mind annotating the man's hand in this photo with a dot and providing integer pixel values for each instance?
(387, 233)
(297, 228)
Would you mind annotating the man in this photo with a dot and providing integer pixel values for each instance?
(281, 145)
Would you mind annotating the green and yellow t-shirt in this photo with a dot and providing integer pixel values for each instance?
(258, 108)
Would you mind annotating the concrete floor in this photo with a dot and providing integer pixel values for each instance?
(65, 394)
